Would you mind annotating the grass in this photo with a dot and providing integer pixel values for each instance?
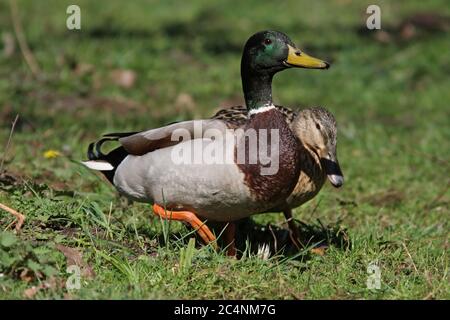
(390, 101)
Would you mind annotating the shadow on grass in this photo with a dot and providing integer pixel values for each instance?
(251, 236)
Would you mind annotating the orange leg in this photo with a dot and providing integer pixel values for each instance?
(295, 236)
(229, 237)
(293, 231)
(189, 217)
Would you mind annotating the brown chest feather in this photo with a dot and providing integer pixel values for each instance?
(275, 184)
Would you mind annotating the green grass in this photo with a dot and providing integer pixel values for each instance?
(390, 101)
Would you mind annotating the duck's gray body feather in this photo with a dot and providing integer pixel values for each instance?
(213, 191)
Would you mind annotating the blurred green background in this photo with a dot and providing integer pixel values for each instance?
(141, 64)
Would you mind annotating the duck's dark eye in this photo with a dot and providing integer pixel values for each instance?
(318, 126)
(267, 41)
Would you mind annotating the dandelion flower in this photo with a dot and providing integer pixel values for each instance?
(50, 154)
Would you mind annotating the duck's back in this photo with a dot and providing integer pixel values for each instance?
(237, 116)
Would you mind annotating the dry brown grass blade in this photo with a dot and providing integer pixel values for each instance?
(275, 242)
(26, 52)
(8, 143)
(20, 217)
(410, 257)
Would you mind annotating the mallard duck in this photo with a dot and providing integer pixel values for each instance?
(316, 130)
(147, 167)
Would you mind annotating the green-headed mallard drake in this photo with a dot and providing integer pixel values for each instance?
(151, 166)
(316, 130)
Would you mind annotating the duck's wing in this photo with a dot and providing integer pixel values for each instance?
(237, 116)
(147, 141)
(140, 143)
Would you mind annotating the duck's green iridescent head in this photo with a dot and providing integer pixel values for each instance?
(265, 54)
(273, 51)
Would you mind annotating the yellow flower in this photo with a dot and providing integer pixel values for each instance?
(50, 154)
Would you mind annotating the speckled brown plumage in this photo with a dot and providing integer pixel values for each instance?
(310, 180)
(237, 116)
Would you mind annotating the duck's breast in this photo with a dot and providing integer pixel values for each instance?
(310, 181)
(270, 181)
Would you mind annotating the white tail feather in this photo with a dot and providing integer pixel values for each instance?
(98, 165)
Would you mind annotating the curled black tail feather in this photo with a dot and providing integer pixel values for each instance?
(114, 157)
(90, 152)
(94, 150)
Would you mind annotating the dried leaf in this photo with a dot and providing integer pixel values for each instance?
(123, 77)
(319, 250)
(31, 292)
(75, 257)
(26, 275)
(51, 283)
(88, 272)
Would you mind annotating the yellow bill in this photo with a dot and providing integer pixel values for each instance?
(299, 59)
